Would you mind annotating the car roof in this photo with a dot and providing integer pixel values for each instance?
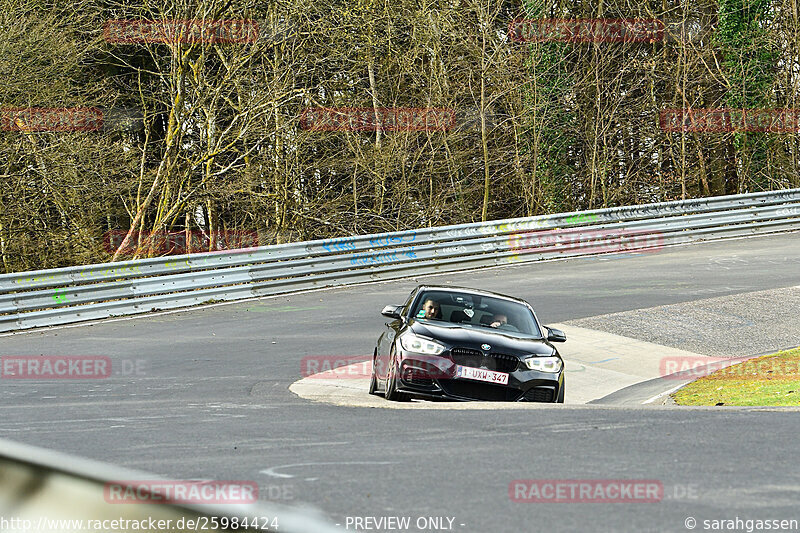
(478, 292)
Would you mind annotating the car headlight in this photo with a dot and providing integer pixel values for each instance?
(416, 344)
(544, 364)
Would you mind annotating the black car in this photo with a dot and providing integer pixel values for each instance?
(464, 344)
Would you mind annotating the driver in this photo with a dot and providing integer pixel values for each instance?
(432, 309)
(498, 320)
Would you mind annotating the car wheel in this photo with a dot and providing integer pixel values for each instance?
(392, 394)
(560, 398)
(373, 382)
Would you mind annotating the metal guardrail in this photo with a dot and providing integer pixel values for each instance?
(64, 295)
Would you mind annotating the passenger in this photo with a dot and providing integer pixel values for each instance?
(498, 320)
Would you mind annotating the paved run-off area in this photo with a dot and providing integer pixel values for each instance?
(737, 325)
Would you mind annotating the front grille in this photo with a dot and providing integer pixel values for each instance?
(540, 394)
(476, 390)
(475, 358)
(506, 363)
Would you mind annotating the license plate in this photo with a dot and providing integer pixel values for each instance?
(480, 374)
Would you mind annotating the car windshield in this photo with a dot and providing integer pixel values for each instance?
(476, 311)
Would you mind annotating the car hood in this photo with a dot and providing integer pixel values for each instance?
(501, 342)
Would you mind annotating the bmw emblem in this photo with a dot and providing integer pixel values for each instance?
(486, 347)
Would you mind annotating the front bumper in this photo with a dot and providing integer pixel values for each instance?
(434, 377)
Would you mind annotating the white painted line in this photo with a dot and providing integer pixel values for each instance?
(657, 396)
(272, 471)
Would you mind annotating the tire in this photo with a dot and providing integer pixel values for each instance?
(560, 398)
(373, 382)
(392, 394)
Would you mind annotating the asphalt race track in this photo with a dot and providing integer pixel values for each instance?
(204, 394)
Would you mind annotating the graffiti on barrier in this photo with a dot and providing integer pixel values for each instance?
(340, 244)
(514, 226)
(447, 250)
(581, 219)
(390, 240)
(59, 298)
(385, 257)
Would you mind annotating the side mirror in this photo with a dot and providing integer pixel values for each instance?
(556, 335)
(392, 311)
